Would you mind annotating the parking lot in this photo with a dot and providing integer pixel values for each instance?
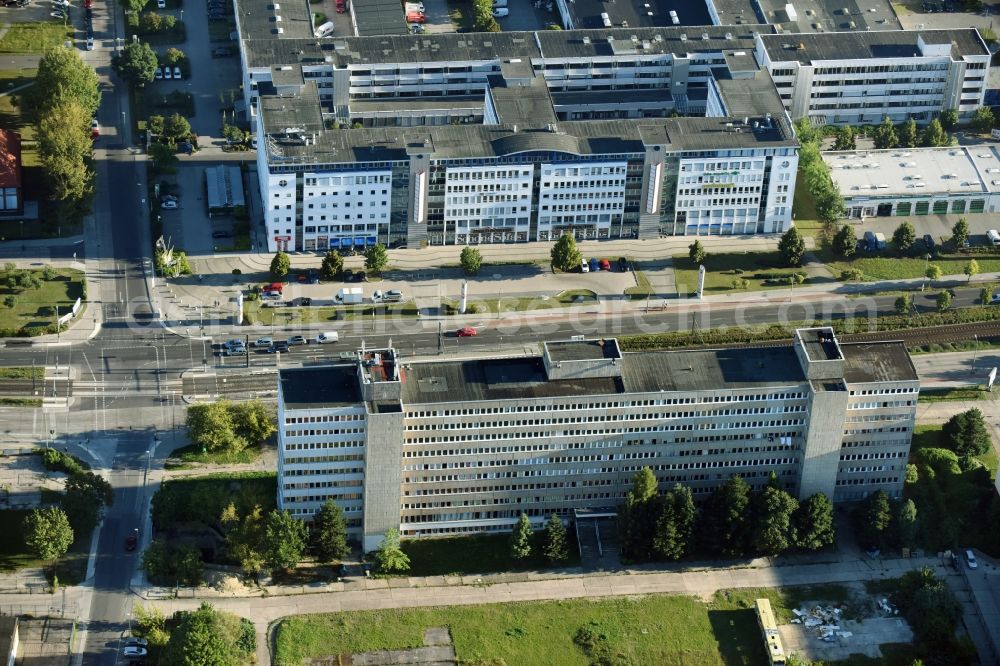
(938, 226)
(189, 227)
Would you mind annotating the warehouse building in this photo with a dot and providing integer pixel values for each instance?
(917, 181)
(861, 77)
(450, 447)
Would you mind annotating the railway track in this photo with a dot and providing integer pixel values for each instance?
(930, 335)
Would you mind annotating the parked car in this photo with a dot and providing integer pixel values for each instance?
(222, 52)
(135, 641)
(413, 17)
(134, 651)
(594, 266)
(216, 17)
(158, 75)
(161, 4)
(131, 542)
(417, 29)
(584, 266)
(263, 342)
(970, 559)
(177, 72)
(278, 346)
(168, 197)
(466, 332)
(622, 264)
(169, 205)
(348, 275)
(221, 234)
(341, 6)
(392, 296)
(297, 340)
(10, 3)
(90, 43)
(167, 74)
(358, 276)
(95, 128)
(501, 12)
(605, 265)
(330, 336)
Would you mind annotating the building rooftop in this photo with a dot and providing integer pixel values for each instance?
(820, 344)
(266, 49)
(582, 350)
(811, 48)
(915, 172)
(472, 141)
(320, 386)
(379, 17)
(877, 362)
(522, 106)
(830, 15)
(587, 14)
(273, 19)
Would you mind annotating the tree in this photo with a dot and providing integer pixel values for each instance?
(948, 119)
(171, 564)
(904, 236)
(245, 537)
(471, 260)
(63, 76)
(792, 247)
(376, 258)
(154, 124)
(829, 203)
(136, 63)
(174, 56)
(844, 139)
(908, 134)
(933, 135)
(47, 533)
(696, 251)
(885, 135)
(280, 265)
(986, 295)
(971, 269)
(176, 128)
(208, 637)
(332, 267)
(812, 523)
(726, 518)
(644, 485)
(960, 232)
(933, 272)
(772, 520)
(983, 119)
(233, 134)
(637, 519)
(565, 255)
(845, 243)
(65, 150)
(675, 524)
(164, 156)
(556, 547)
(329, 533)
(151, 22)
(254, 421)
(86, 494)
(906, 524)
(211, 426)
(943, 301)
(135, 6)
(520, 538)
(872, 520)
(390, 557)
(966, 434)
(903, 304)
(285, 540)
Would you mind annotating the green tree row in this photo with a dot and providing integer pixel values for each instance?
(203, 637)
(229, 427)
(332, 265)
(734, 521)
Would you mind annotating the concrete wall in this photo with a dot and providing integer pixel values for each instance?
(383, 476)
(821, 457)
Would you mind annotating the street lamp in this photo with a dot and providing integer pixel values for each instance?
(975, 353)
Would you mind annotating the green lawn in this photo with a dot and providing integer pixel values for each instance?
(760, 269)
(35, 309)
(951, 394)
(524, 303)
(16, 372)
(485, 553)
(14, 555)
(931, 436)
(656, 629)
(258, 315)
(34, 37)
(900, 268)
(188, 456)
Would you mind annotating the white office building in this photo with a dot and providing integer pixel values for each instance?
(861, 77)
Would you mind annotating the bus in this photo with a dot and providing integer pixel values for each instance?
(768, 627)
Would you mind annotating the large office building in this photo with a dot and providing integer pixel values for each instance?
(448, 447)
(862, 77)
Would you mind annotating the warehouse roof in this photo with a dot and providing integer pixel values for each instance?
(877, 45)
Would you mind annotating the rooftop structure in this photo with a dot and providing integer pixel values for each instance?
(810, 16)
(874, 45)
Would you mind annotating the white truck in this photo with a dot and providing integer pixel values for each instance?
(350, 296)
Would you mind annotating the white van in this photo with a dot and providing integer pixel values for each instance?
(994, 236)
(499, 3)
(324, 30)
(330, 336)
(500, 12)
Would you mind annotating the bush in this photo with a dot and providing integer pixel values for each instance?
(57, 461)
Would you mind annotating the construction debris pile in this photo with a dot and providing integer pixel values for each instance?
(823, 622)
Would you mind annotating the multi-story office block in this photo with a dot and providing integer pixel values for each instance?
(862, 77)
(447, 447)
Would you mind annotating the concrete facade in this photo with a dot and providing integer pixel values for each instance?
(453, 447)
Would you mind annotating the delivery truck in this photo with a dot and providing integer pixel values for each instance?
(350, 296)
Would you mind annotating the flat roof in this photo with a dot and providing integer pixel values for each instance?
(875, 45)
(321, 386)
(582, 350)
(379, 17)
(830, 15)
(638, 13)
(915, 172)
(275, 19)
(877, 362)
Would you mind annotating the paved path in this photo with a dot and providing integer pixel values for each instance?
(418, 592)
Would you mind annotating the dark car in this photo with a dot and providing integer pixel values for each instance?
(348, 275)
(222, 52)
(216, 17)
(221, 234)
(358, 276)
(10, 3)
(131, 542)
(279, 346)
(929, 241)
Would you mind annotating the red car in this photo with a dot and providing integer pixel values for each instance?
(466, 332)
(605, 265)
(416, 18)
(88, 4)
(341, 6)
